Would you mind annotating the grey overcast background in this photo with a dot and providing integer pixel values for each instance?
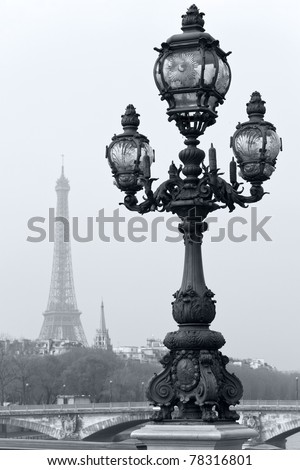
(68, 70)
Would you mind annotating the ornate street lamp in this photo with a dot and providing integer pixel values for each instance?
(143, 390)
(110, 391)
(26, 394)
(193, 76)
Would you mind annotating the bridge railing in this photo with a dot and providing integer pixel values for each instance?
(126, 406)
(273, 403)
(114, 406)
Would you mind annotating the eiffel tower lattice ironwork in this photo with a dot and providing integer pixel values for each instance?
(62, 317)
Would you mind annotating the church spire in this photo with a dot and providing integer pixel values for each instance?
(102, 318)
(62, 165)
(102, 339)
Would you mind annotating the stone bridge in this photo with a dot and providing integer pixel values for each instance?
(274, 420)
(76, 423)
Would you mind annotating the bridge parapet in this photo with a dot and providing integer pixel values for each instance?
(133, 406)
(273, 425)
(103, 408)
(270, 403)
(72, 425)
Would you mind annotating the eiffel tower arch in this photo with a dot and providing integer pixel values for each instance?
(62, 317)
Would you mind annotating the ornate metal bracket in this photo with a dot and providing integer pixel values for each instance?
(205, 192)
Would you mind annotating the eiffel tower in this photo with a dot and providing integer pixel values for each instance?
(62, 317)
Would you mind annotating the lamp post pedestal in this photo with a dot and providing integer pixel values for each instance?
(179, 435)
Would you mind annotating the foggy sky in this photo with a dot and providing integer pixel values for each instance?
(69, 69)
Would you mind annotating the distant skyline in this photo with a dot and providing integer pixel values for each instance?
(69, 69)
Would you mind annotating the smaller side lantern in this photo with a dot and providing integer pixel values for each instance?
(255, 143)
(129, 154)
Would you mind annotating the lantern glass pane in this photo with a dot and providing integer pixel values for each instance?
(223, 78)
(123, 156)
(183, 69)
(273, 145)
(158, 76)
(146, 150)
(210, 69)
(248, 144)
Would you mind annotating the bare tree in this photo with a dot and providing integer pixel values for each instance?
(7, 375)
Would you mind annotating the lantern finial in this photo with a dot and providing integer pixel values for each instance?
(130, 119)
(256, 106)
(193, 19)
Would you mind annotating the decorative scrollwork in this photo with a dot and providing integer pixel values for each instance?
(160, 389)
(198, 383)
(231, 389)
(225, 192)
(161, 198)
(208, 379)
